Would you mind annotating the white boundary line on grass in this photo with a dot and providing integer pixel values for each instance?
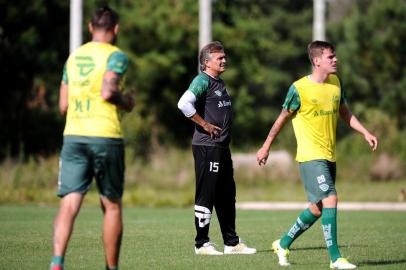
(369, 206)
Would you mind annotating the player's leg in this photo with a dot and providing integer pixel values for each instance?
(74, 180)
(225, 198)
(326, 175)
(329, 215)
(109, 170)
(311, 214)
(329, 226)
(305, 219)
(63, 226)
(112, 230)
(206, 169)
(225, 206)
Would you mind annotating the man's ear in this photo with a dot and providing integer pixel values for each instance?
(206, 61)
(116, 28)
(90, 28)
(316, 61)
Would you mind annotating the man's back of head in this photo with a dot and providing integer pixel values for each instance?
(105, 19)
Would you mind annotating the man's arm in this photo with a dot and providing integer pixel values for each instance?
(263, 152)
(63, 98)
(187, 105)
(111, 92)
(354, 123)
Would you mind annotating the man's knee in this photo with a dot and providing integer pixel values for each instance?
(316, 209)
(111, 205)
(70, 204)
(330, 202)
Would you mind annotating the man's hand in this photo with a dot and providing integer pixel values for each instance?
(372, 140)
(262, 156)
(213, 130)
(128, 102)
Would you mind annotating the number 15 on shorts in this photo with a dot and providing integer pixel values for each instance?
(214, 166)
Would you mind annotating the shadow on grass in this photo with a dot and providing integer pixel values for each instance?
(308, 248)
(304, 248)
(382, 262)
(324, 247)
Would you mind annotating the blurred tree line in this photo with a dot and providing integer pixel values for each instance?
(266, 46)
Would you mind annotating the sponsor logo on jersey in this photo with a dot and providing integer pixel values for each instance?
(324, 113)
(85, 65)
(223, 103)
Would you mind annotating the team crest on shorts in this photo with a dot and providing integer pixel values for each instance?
(324, 187)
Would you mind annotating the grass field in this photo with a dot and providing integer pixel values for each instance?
(163, 239)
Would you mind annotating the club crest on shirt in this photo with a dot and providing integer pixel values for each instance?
(218, 93)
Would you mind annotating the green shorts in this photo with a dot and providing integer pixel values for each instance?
(83, 158)
(319, 177)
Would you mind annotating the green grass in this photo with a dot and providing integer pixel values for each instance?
(163, 239)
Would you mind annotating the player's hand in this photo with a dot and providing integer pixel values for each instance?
(262, 156)
(372, 140)
(213, 130)
(129, 102)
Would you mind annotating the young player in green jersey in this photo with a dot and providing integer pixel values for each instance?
(314, 103)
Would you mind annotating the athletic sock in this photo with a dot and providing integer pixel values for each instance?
(112, 268)
(329, 225)
(303, 222)
(58, 260)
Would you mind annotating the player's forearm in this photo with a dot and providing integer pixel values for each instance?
(63, 98)
(351, 120)
(273, 133)
(198, 120)
(356, 125)
(276, 129)
(112, 94)
(118, 99)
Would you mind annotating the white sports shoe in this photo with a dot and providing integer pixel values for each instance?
(342, 263)
(240, 248)
(207, 249)
(282, 253)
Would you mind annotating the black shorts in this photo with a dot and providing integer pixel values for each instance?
(214, 174)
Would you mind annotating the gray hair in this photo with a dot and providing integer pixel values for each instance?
(206, 51)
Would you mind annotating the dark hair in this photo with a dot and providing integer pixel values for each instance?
(206, 51)
(315, 49)
(105, 18)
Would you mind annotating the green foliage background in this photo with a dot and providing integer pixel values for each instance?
(266, 46)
